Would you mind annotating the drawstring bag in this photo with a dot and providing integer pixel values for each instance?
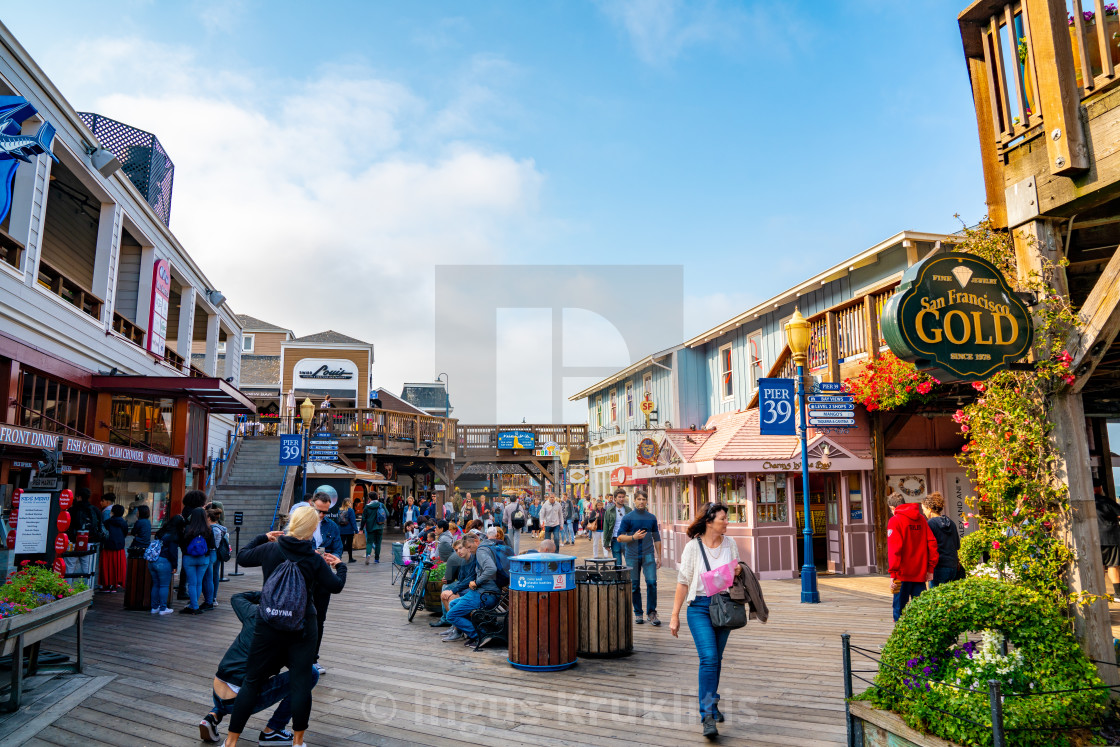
(724, 611)
(720, 579)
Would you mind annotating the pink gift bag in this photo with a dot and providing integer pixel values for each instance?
(718, 579)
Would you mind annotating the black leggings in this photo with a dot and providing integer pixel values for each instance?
(348, 545)
(271, 650)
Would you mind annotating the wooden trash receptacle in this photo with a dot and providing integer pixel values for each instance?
(137, 585)
(542, 612)
(432, 590)
(606, 627)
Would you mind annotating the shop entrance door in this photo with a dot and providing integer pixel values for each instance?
(834, 527)
(820, 487)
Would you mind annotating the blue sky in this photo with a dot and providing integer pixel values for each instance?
(754, 143)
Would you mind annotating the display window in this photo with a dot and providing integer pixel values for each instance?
(772, 502)
(732, 492)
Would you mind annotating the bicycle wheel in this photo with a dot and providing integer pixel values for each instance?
(406, 585)
(417, 595)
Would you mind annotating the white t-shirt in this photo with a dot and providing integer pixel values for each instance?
(692, 565)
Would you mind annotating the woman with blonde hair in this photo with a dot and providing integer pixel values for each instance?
(272, 648)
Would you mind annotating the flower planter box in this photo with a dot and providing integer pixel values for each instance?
(19, 632)
(871, 727)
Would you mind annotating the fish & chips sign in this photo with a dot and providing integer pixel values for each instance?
(955, 316)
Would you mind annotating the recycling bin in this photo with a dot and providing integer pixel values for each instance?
(542, 612)
(605, 624)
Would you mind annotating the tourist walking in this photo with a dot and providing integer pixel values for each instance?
(612, 520)
(347, 527)
(911, 551)
(273, 648)
(219, 555)
(593, 523)
(948, 540)
(330, 542)
(197, 543)
(708, 532)
(638, 531)
(374, 518)
(162, 568)
(552, 519)
(568, 531)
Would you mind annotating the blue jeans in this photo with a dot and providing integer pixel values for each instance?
(459, 613)
(709, 646)
(553, 533)
(198, 578)
(211, 593)
(909, 590)
(619, 551)
(646, 563)
(569, 531)
(275, 690)
(161, 582)
(941, 575)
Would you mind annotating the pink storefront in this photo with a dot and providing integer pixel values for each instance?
(759, 479)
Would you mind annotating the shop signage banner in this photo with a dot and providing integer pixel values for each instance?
(34, 523)
(956, 316)
(12, 436)
(647, 451)
(338, 375)
(161, 304)
(775, 407)
(516, 440)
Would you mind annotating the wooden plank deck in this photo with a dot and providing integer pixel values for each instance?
(392, 683)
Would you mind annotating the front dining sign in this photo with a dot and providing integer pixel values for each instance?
(956, 316)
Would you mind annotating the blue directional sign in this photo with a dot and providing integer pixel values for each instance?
(830, 398)
(828, 386)
(775, 407)
(290, 450)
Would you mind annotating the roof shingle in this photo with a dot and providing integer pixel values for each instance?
(330, 336)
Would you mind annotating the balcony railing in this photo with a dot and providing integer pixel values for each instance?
(68, 290)
(11, 251)
(176, 360)
(127, 329)
(482, 440)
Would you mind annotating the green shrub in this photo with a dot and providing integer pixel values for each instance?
(923, 657)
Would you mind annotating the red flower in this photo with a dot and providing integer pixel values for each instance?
(995, 544)
(978, 386)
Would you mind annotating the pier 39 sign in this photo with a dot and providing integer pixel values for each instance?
(955, 316)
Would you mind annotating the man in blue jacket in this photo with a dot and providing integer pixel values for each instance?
(639, 534)
(482, 592)
(330, 541)
(231, 673)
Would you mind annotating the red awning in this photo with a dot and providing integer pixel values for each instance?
(216, 395)
(624, 476)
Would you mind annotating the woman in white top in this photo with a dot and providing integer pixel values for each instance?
(707, 535)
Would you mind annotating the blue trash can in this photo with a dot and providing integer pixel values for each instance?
(542, 612)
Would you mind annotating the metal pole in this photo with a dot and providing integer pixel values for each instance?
(846, 639)
(236, 549)
(809, 593)
(995, 699)
(306, 446)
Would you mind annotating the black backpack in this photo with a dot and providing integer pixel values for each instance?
(224, 550)
(284, 597)
(517, 518)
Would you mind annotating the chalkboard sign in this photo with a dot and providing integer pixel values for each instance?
(238, 518)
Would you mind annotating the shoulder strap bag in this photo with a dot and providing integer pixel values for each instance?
(724, 611)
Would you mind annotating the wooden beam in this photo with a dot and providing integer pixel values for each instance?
(870, 318)
(994, 194)
(1100, 317)
(1060, 100)
(880, 513)
(1104, 456)
(456, 474)
(833, 347)
(544, 471)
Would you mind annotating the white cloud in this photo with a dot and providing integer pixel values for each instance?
(318, 203)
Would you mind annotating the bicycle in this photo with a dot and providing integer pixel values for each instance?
(414, 583)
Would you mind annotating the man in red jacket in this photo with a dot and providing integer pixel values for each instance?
(911, 551)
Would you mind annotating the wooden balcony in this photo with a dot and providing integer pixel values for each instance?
(127, 329)
(1047, 102)
(480, 442)
(68, 290)
(11, 251)
(177, 361)
(842, 338)
(391, 432)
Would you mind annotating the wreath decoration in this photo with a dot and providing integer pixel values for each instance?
(912, 492)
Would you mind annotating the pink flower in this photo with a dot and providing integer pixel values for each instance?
(995, 544)
(978, 386)
(1069, 379)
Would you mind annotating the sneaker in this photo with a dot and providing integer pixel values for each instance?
(208, 729)
(456, 636)
(275, 737)
(654, 620)
(376, 561)
(717, 714)
(710, 730)
(166, 611)
(321, 668)
(188, 611)
(367, 560)
(155, 611)
(441, 623)
(639, 620)
(205, 607)
(471, 642)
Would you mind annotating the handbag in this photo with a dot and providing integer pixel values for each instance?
(724, 611)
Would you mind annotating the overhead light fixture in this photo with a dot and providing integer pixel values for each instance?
(215, 297)
(104, 161)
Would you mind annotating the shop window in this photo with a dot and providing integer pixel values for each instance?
(141, 486)
(684, 500)
(855, 497)
(599, 412)
(142, 422)
(614, 405)
(726, 377)
(629, 400)
(50, 405)
(773, 500)
(754, 362)
(247, 342)
(647, 384)
(732, 492)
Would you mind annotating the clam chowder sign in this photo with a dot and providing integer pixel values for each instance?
(956, 316)
(13, 436)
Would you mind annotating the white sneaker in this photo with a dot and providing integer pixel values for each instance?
(155, 612)
(167, 611)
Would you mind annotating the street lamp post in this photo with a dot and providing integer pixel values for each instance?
(565, 455)
(798, 333)
(446, 394)
(306, 413)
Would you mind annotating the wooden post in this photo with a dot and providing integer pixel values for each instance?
(1057, 86)
(994, 194)
(871, 319)
(880, 514)
(833, 347)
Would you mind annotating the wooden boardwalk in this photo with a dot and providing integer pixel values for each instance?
(147, 678)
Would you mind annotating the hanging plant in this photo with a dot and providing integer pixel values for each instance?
(889, 383)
